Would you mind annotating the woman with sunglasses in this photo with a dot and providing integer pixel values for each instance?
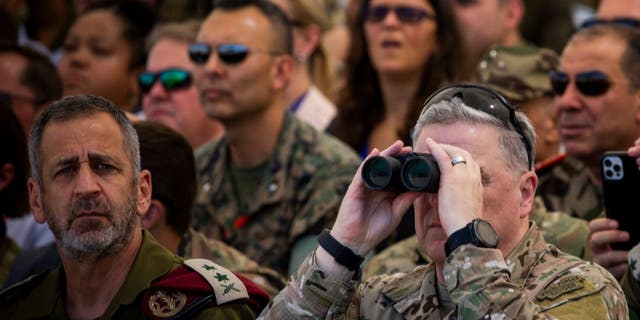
(104, 51)
(312, 82)
(401, 51)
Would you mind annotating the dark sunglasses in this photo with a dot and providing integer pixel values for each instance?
(590, 83)
(171, 79)
(229, 53)
(629, 22)
(486, 100)
(405, 14)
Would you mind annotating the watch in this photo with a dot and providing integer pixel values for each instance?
(478, 232)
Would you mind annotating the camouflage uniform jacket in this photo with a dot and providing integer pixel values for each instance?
(567, 233)
(535, 281)
(631, 279)
(567, 187)
(308, 173)
(42, 296)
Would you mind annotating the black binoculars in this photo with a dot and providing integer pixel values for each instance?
(401, 173)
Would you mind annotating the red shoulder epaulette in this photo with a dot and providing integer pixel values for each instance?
(544, 165)
(185, 290)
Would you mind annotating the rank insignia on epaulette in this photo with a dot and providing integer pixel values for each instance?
(226, 285)
(167, 303)
(566, 285)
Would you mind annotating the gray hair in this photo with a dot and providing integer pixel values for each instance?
(75, 107)
(511, 145)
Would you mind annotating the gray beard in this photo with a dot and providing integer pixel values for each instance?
(90, 241)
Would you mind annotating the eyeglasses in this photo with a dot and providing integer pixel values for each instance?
(171, 79)
(405, 14)
(229, 53)
(590, 83)
(485, 100)
(629, 22)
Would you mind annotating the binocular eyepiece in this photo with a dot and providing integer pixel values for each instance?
(401, 173)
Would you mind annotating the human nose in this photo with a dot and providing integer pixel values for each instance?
(86, 182)
(391, 19)
(569, 99)
(214, 66)
(157, 90)
(79, 57)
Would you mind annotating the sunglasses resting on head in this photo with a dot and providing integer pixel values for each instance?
(486, 100)
(228, 53)
(171, 79)
(590, 83)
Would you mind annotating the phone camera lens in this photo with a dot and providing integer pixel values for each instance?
(607, 162)
(609, 173)
(616, 167)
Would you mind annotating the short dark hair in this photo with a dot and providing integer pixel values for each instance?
(169, 158)
(40, 75)
(75, 107)
(282, 35)
(14, 199)
(138, 19)
(630, 59)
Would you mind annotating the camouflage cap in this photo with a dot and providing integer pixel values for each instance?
(520, 73)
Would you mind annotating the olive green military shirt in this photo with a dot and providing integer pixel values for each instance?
(535, 281)
(43, 295)
(299, 195)
(567, 187)
(567, 233)
(8, 252)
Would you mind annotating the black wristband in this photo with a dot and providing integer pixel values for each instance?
(342, 254)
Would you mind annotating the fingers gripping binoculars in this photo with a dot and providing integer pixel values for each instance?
(401, 173)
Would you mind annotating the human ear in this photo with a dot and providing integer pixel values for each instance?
(35, 201)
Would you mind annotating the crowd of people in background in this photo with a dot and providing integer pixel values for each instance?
(166, 158)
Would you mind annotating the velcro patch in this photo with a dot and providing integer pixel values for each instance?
(565, 285)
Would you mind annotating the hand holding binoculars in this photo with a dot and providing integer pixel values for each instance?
(401, 173)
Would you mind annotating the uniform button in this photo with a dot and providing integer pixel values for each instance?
(493, 53)
(206, 186)
(483, 64)
(501, 64)
(273, 187)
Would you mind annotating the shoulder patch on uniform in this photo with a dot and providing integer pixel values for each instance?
(226, 285)
(565, 285)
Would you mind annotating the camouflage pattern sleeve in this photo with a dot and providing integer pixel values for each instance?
(631, 279)
(479, 281)
(568, 233)
(312, 294)
(403, 256)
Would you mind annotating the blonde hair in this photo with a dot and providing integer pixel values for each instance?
(308, 12)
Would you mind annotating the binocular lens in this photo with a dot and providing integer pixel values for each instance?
(378, 172)
(415, 174)
(402, 173)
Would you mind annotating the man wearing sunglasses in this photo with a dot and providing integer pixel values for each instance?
(488, 260)
(169, 94)
(598, 102)
(272, 182)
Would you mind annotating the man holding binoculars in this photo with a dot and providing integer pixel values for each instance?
(489, 260)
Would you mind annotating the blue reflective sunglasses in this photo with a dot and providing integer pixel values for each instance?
(229, 53)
